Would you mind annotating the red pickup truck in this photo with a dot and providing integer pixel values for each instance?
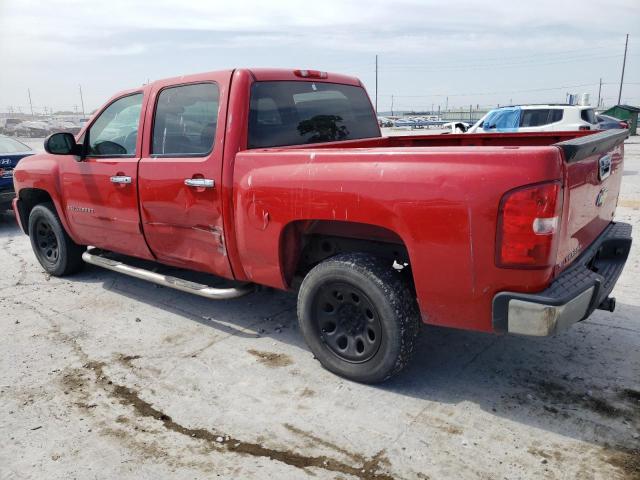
(282, 178)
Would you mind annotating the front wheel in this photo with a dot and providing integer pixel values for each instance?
(54, 249)
(359, 317)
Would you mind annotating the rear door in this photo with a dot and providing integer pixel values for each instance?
(180, 174)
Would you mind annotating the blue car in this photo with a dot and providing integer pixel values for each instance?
(11, 151)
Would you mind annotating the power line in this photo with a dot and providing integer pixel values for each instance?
(493, 93)
(465, 66)
(588, 51)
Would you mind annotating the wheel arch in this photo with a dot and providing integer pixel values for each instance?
(305, 243)
(29, 197)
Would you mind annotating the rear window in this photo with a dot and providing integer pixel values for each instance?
(540, 116)
(296, 113)
(589, 115)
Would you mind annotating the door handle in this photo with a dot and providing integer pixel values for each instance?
(199, 182)
(120, 179)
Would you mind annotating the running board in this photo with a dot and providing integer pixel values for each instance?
(91, 256)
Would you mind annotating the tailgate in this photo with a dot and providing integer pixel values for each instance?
(593, 173)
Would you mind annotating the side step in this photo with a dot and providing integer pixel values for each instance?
(92, 256)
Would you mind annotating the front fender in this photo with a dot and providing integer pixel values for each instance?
(36, 179)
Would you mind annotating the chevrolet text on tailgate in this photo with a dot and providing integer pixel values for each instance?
(281, 178)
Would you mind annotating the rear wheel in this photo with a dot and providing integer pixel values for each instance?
(54, 249)
(359, 317)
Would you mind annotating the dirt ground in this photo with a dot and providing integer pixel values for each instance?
(105, 376)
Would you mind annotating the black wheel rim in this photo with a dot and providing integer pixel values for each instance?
(348, 322)
(46, 241)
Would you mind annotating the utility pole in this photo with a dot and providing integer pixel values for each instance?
(376, 84)
(81, 99)
(624, 62)
(392, 105)
(599, 92)
(446, 107)
(30, 104)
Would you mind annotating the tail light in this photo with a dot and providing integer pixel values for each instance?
(624, 125)
(528, 220)
(310, 74)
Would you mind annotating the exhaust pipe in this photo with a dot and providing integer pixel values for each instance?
(608, 304)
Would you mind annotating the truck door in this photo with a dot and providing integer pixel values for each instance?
(100, 193)
(180, 174)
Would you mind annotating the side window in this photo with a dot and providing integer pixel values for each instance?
(185, 120)
(535, 118)
(588, 115)
(115, 131)
(556, 115)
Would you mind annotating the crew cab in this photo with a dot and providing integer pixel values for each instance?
(281, 178)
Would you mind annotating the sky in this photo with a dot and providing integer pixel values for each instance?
(430, 53)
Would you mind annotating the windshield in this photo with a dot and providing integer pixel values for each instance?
(296, 113)
(9, 145)
(502, 120)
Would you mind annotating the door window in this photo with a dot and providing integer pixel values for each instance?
(588, 115)
(185, 121)
(115, 131)
(540, 116)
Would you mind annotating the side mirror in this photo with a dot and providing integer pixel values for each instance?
(62, 143)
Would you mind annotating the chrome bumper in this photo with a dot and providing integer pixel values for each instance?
(573, 295)
(540, 320)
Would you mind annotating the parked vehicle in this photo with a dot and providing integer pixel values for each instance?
(8, 125)
(11, 151)
(605, 122)
(32, 129)
(385, 122)
(57, 126)
(281, 178)
(455, 127)
(537, 118)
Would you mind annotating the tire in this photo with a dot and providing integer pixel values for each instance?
(359, 317)
(54, 249)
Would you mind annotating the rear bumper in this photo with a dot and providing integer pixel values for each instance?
(573, 295)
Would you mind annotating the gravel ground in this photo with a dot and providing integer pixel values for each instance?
(104, 376)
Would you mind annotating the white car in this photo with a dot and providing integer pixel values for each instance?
(537, 118)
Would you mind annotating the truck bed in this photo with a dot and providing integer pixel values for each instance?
(456, 140)
(442, 202)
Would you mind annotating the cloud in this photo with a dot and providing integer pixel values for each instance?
(420, 42)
